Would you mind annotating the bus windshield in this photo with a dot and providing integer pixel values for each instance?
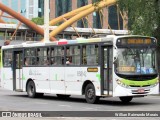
(134, 61)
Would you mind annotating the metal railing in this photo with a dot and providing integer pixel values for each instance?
(21, 38)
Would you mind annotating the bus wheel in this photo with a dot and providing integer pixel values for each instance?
(90, 94)
(31, 89)
(126, 99)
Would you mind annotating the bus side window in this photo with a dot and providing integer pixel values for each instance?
(30, 56)
(76, 57)
(52, 56)
(53, 61)
(7, 59)
(73, 55)
(0, 58)
(90, 55)
(43, 56)
(84, 61)
(68, 55)
(26, 61)
(57, 55)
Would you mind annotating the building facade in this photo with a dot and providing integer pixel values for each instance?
(109, 18)
(27, 8)
(35, 8)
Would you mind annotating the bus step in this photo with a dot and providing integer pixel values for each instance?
(19, 90)
(106, 95)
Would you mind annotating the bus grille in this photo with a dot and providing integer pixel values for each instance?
(136, 91)
(139, 85)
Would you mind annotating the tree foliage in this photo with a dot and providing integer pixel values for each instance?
(38, 20)
(143, 16)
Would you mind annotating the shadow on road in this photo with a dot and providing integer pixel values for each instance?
(104, 101)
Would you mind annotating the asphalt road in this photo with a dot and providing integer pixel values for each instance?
(19, 101)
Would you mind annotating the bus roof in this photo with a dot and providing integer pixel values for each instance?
(108, 38)
(60, 42)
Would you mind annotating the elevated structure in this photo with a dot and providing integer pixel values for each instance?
(26, 34)
(78, 14)
(22, 19)
(68, 18)
(12, 27)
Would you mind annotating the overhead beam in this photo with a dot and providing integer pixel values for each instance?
(68, 15)
(82, 14)
(24, 20)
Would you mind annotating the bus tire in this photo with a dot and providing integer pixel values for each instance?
(126, 99)
(90, 94)
(31, 89)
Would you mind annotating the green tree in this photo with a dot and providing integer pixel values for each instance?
(38, 20)
(143, 16)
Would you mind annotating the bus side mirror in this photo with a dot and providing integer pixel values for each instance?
(115, 59)
(12, 67)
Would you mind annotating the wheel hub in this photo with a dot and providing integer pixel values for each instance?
(31, 89)
(90, 93)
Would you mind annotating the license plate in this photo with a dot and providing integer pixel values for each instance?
(141, 91)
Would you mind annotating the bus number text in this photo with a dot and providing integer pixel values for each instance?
(81, 73)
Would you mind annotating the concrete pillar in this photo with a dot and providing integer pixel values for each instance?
(74, 6)
(105, 18)
(52, 9)
(46, 20)
(90, 17)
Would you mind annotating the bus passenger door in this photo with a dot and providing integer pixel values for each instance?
(106, 70)
(17, 70)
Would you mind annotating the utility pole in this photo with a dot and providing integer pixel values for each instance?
(46, 20)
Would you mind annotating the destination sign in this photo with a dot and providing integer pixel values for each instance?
(139, 41)
(132, 41)
(126, 69)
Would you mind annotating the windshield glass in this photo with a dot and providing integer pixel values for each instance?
(133, 61)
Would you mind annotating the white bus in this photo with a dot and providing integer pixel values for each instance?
(112, 66)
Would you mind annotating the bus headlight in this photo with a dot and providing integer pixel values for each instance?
(121, 84)
(156, 83)
(118, 82)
